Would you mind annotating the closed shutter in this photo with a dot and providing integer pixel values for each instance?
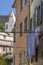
(20, 29)
(25, 24)
(35, 18)
(21, 5)
(39, 15)
(42, 11)
(34, 21)
(31, 25)
(26, 1)
(20, 62)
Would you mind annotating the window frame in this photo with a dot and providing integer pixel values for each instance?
(10, 49)
(3, 48)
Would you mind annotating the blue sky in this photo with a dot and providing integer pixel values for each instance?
(6, 7)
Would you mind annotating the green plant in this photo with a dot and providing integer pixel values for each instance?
(2, 60)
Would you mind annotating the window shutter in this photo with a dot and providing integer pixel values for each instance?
(33, 23)
(20, 29)
(42, 11)
(25, 24)
(21, 1)
(35, 18)
(20, 62)
(38, 15)
(26, 1)
(30, 24)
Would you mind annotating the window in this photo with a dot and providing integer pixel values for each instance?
(30, 24)
(14, 37)
(20, 55)
(3, 48)
(4, 36)
(21, 6)
(25, 24)
(35, 17)
(42, 11)
(33, 22)
(21, 29)
(39, 16)
(10, 49)
(26, 1)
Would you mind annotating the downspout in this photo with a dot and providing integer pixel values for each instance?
(28, 62)
(29, 16)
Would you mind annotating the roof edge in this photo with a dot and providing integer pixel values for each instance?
(13, 4)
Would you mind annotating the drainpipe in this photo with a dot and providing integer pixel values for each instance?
(28, 62)
(29, 15)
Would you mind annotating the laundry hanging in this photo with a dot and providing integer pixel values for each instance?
(32, 43)
(30, 46)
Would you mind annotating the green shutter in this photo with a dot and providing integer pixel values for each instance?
(25, 24)
(21, 29)
(20, 62)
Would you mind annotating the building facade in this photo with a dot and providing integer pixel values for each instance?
(22, 19)
(6, 44)
(29, 16)
(9, 25)
(36, 19)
